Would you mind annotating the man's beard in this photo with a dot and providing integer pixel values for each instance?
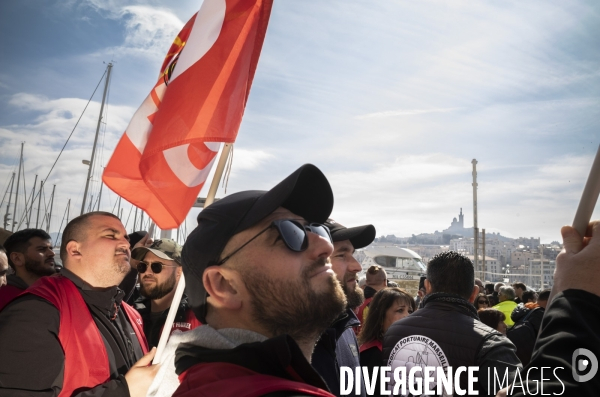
(294, 307)
(38, 268)
(159, 290)
(355, 297)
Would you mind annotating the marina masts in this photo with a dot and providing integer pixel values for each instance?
(6, 215)
(91, 165)
(31, 202)
(12, 228)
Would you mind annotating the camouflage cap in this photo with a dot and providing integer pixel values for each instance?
(163, 248)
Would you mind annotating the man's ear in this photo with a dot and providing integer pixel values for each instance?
(474, 293)
(428, 289)
(221, 284)
(17, 258)
(73, 248)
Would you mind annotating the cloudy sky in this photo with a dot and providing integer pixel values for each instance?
(391, 99)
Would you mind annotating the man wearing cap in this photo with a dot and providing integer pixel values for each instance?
(159, 268)
(71, 334)
(338, 346)
(258, 277)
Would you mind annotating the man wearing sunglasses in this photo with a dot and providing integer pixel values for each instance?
(338, 346)
(258, 277)
(159, 268)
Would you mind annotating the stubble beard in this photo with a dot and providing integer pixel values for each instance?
(159, 290)
(294, 307)
(38, 268)
(355, 297)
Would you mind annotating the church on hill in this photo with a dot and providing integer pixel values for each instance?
(458, 227)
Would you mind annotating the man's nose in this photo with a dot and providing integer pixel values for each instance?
(318, 246)
(354, 266)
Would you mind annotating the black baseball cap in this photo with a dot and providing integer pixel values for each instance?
(359, 236)
(306, 192)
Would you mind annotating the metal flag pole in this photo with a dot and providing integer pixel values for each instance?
(589, 197)
(181, 284)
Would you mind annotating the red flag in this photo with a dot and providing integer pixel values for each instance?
(167, 151)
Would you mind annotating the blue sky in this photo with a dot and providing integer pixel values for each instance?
(391, 99)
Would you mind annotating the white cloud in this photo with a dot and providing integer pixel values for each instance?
(405, 112)
(245, 160)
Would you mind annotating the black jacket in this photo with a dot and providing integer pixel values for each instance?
(369, 292)
(153, 323)
(32, 363)
(571, 322)
(452, 324)
(337, 348)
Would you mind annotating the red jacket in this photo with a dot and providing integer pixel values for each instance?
(202, 380)
(86, 360)
(8, 293)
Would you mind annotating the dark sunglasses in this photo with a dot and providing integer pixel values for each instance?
(155, 266)
(482, 302)
(293, 234)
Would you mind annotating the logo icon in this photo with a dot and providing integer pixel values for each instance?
(581, 364)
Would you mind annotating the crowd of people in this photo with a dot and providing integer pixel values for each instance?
(273, 307)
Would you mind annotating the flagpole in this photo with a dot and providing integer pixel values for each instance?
(210, 198)
(589, 197)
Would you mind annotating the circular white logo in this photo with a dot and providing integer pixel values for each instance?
(417, 350)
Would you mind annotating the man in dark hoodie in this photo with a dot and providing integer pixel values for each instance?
(338, 346)
(30, 255)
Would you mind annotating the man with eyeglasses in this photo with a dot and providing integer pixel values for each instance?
(159, 268)
(258, 278)
(338, 346)
(71, 334)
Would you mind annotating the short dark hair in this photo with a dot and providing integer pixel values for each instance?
(452, 273)
(520, 285)
(489, 288)
(376, 274)
(491, 317)
(19, 241)
(382, 301)
(544, 295)
(75, 230)
(528, 296)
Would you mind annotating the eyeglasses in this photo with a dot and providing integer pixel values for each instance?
(293, 234)
(483, 302)
(155, 266)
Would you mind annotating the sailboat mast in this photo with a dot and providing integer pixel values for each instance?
(12, 183)
(12, 228)
(87, 182)
(39, 203)
(31, 203)
(51, 205)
